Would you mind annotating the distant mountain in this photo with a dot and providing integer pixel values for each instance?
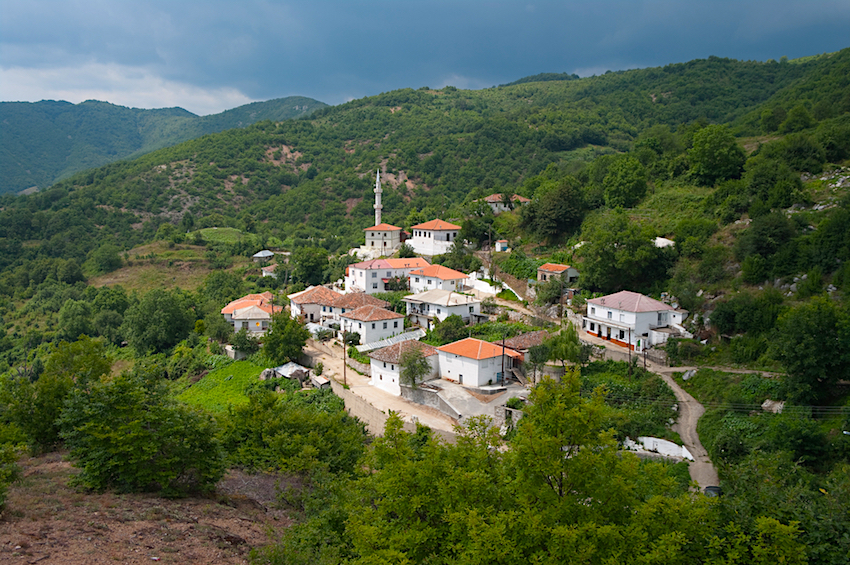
(43, 142)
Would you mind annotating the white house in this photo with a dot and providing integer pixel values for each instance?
(372, 323)
(433, 238)
(372, 276)
(252, 312)
(426, 308)
(436, 277)
(386, 371)
(308, 304)
(384, 237)
(268, 270)
(502, 246)
(475, 363)
(496, 202)
(632, 320)
(548, 271)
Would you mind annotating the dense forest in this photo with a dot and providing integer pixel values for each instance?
(43, 142)
(742, 164)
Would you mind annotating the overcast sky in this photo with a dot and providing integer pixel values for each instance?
(208, 56)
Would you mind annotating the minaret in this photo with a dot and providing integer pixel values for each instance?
(378, 191)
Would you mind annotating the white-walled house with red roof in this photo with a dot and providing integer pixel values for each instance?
(372, 323)
(633, 320)
(497, 204)
(548, 271)
(433, 238)
(372, 276)
(386, 369)
(436, 277)
(476, 363)
(252, 312)
(308, 304)
(384, 237)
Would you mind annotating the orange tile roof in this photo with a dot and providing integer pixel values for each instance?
(436, 225)
(315, 295)
(383, 227)
(371, 314)
(354, 300)
(393, 353)
(410, 263)
(477, 349)
(439, 272)
(553, 267)
(248, 300)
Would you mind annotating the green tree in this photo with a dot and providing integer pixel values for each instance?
(449, 330)
(245, 343)
(812, 341)
(129, 434)
(309, 265)
(158, 321)
(557, 209)
(715, 156)
(619, 254)
(413, 364)
(566, 346)
(106, 258)
(406, 251)
(625, 183)
(798, 119)
(75, 319)
(285, 339)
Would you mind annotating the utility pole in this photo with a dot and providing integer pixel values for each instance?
(629, 344)
(344, 375)
(503, 358)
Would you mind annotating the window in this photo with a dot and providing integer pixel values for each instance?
(375, 275)
(471, 309)
(395, 324)
(385, 325)
(389, 274)
(439, 311)
(429, 282)
(392, 368)
(385, 364)
(343, 310)
(374, 285)
(622, 317)
(373, 325)
(622, 334)
(592, 326)
(417, 279)
(610, 314)
(592, 309)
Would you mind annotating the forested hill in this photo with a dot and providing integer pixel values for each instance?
(43, 142)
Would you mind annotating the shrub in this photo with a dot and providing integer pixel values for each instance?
(131, 435)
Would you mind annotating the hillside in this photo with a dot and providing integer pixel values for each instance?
(46, 141)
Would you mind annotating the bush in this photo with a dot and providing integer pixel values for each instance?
(131, 435)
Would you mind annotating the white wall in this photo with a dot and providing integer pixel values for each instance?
(362, 280)
(421, 283)
(388, 240)
(387, 376)
(429, 242)
(368, 334)
(471, 372)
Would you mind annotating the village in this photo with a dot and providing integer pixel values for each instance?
(372, 356)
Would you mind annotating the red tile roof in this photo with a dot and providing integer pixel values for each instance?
(383, 227)
(354, 300)
(477, 349)
(371, 314)
(630, 302)
(412, 262)
(316, 295)
(393, 353)
(553, 267)
(496, 198)
(439, 272)
(436, 225)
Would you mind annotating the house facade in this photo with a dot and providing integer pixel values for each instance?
(497, 204)
(475, 363)
(372, 323)
(548, 271)
(386, 368)
(427, 308)
(433, 238)
(372, 276)
(384, 237)
(348, 303)
(268, 270)
(262, 256)
(252, 312)
(632, 320)
(307, 304)
(436, 277)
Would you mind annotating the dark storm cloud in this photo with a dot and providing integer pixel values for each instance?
(207, 56)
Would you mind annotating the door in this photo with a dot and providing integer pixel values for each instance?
(608, 333)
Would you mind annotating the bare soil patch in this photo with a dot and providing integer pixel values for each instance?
(48, 522)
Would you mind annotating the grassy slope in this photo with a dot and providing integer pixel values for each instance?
(222, 387)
